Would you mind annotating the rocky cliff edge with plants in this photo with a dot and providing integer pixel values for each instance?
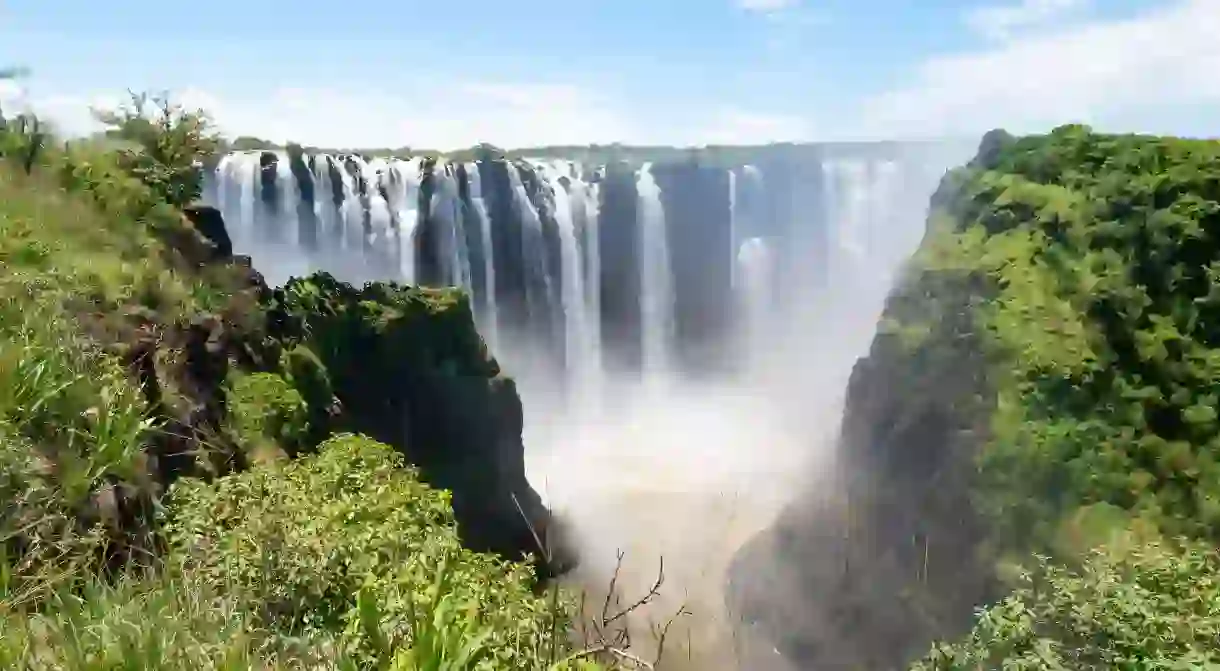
(200, 471)
(1035, 427)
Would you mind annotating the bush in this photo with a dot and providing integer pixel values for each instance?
(267, 413)
(349, 543)
(169, 141)
(1154, 606)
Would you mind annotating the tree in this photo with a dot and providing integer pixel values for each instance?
(167, 144)
(1151, 606)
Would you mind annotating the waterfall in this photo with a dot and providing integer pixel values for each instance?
(488, 319)
(656, 279)
(861, 211)
(541, 314)
(407, 212)
(630, 264)
(754, 268)
(586, 196)
(445, 211)
(527, 240)
(733, 226)
(582, 358)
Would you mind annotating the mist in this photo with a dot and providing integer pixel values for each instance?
(658, 464)
(681, 472)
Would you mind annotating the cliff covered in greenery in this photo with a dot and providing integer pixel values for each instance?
(202, 472)
(1044, 380)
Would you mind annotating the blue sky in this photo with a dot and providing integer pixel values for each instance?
(524, 72)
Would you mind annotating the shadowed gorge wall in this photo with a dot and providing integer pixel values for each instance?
(1036, 384)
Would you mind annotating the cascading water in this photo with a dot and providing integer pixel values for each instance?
(754, 268)
(487, 315)
(733, 232)
(582, 356)
(717, 456)
(446, 209)
(656, 285)
(538, 284)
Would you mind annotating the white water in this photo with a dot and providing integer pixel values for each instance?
(581, 356)
(656, 287)
(446, 208)
(733, 233)
(488, 318)
(683, 470)
(754, 267)
(533, 251)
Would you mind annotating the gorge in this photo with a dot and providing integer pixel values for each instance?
(681, 330)
(1025, 450)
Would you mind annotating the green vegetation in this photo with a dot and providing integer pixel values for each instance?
(268, 413)
(201, 473)
(175, 494)
(1148, 607)
(1080, 270)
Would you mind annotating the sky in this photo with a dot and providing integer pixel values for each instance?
(451, 73)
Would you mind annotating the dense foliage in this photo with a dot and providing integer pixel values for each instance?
(127, 348)
(1097, 271)
(1149, 607)
(1082, 270)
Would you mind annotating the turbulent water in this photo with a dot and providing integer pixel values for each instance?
(682, 333)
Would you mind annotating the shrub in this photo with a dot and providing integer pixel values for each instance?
(168, 140)
(315, 547)
(267, 412)
(1154, 606)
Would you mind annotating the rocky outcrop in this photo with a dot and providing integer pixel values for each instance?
(210, 224)
(405, 366)
(410, 370)
(307, 220)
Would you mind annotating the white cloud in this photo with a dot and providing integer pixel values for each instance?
(766, 6)
(999, 22)
(738, 126)
(457, 115)
(454, 115)
(1128, 73)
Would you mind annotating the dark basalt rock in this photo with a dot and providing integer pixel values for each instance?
(410, 370)
(210, 223)
(428, 264)
(198, 414)
(269, 196)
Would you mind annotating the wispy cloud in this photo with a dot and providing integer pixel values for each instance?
(767, 6)
(460, 114)
(1127, 72)
(742, 126)
(1000, 22)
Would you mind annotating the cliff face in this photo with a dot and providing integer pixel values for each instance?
(409, 369)
(1043, 376)
(273, 373)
